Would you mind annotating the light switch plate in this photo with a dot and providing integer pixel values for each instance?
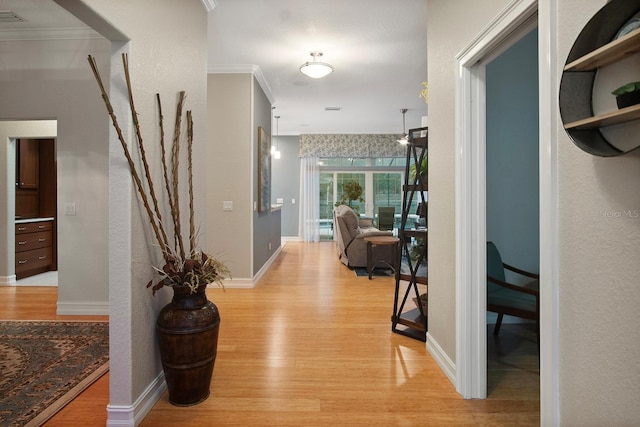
(227, 205)
(70, 208)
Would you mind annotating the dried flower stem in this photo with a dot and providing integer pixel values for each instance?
(127, 154)
(164, 160)
(175, 162)
(192, 227)
(143, 154)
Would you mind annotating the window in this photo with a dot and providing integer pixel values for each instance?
(380, 178)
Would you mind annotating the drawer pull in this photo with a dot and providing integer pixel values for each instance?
(22, 228)
(23, 242)
(22, 261)
(42, 257)
(41, 227)
(42, 240)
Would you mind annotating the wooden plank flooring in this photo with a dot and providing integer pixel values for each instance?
(312, 345)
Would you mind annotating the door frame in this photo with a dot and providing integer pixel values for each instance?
(470, 200)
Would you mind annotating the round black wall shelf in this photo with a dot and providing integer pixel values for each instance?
(599, 45)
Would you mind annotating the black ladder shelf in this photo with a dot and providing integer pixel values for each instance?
(411, 277)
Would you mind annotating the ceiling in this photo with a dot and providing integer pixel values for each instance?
(376, 47)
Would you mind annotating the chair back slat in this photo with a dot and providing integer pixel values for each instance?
(494, 266)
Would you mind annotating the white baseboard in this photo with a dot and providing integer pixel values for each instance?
(85, 308)
(286, 239)
(266, 265)
(132, 415)
(8, 280)
(236, 283)
(444, 362)
(250, 283)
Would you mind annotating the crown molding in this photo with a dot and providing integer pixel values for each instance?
(244, 69)
(209, 5)
(49, 34)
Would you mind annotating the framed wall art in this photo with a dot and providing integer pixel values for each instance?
(264, 170)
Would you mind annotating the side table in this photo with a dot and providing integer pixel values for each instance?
(373, 241)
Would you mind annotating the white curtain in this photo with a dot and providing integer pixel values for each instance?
(309, 228)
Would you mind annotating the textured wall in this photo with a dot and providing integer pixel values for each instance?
(599, 270)
(167, 53)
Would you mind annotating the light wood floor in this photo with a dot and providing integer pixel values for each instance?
(312, 345)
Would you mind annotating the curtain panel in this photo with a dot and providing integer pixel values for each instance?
(309, 224)
(351, 145)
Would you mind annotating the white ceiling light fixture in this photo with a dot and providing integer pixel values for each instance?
(405, 138)
(316, 69)
(276, 153)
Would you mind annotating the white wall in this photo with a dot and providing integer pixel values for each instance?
(59, 85)
(599, 270)
(167, 54)
(230, 156)
(444, 41)
(599, 246)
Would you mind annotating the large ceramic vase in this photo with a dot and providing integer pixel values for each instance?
(187, 331)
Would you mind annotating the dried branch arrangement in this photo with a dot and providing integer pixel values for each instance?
(195, 268)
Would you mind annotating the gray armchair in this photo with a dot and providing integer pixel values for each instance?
(350, 231)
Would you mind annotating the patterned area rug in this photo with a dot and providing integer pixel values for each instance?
(44, 365)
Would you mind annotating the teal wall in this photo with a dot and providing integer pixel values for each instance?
(512, 153)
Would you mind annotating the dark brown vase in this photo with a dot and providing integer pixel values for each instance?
(187, 331)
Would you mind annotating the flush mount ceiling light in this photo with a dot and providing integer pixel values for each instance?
(405, 138)
(316, 69)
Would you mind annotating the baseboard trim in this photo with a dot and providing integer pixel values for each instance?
(286, 239)
(266, 265)
(444, 362)
(250, 283)
(8, 280)
(132, 415)
(85, 308)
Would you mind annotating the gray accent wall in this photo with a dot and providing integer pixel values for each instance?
(512, 153)
(286, 183)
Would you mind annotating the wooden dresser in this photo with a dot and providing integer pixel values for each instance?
(34, 248)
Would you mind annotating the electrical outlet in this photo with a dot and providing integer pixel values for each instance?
(269, 245)
(280, 200)
(293, 201)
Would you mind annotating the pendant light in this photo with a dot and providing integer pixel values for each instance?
(405, 138)
(316, 69)
(276, 153)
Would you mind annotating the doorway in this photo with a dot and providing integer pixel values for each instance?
(512, 203)
(471, 334)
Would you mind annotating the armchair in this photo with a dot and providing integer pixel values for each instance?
(507, 298)
(350, 232)
(386, 217)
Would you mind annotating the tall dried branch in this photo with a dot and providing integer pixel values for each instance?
(192, 227)
(175, 163)
(165, 171)
(134, 172)
(143, 153)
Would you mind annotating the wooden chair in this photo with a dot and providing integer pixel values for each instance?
(507, 298)
(386, 217)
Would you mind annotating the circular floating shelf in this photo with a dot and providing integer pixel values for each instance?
(607, 39)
